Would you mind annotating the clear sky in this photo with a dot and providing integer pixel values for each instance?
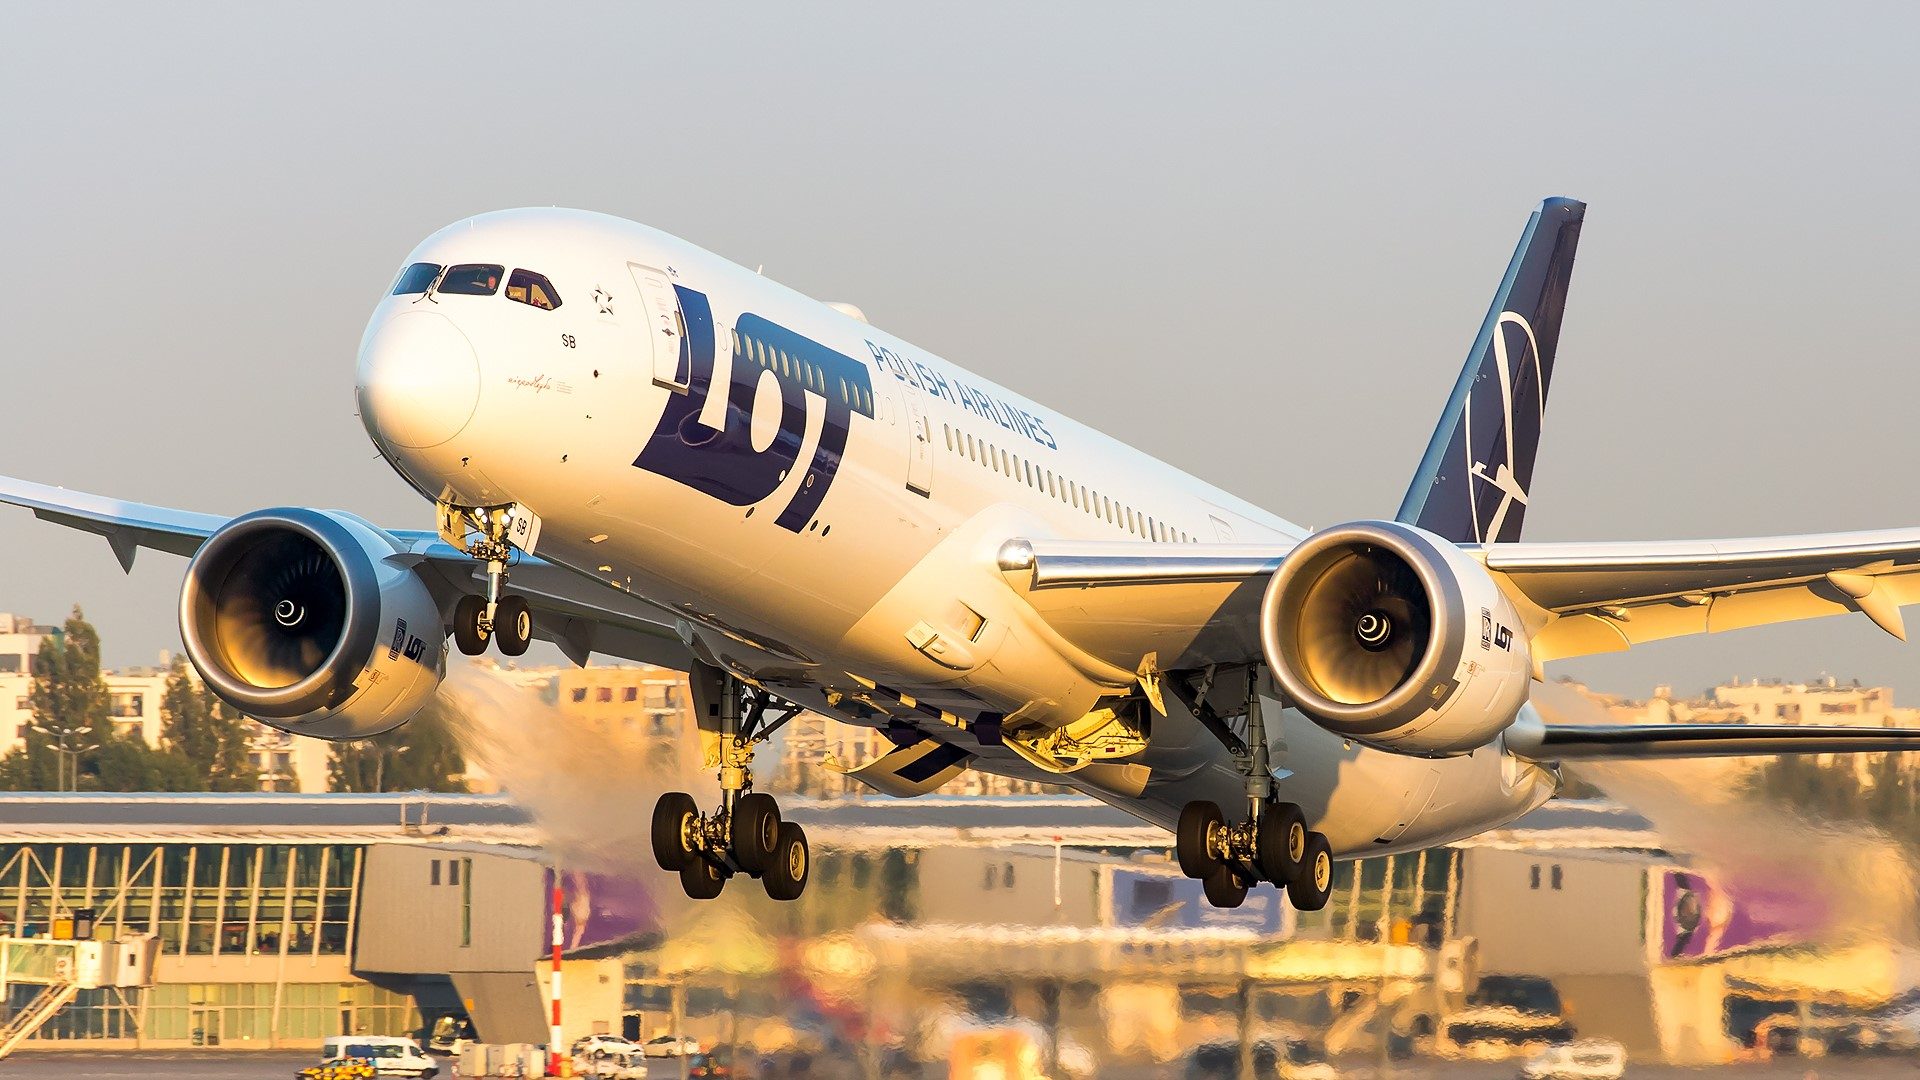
(1255, 241)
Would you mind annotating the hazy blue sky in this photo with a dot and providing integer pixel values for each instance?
(1252, 240)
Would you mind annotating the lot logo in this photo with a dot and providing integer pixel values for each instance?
(722, 461)
(1513, 422)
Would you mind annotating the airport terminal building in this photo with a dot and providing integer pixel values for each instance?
(282, 919)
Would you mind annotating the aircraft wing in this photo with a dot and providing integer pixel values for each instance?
(576, 613)
(1187, 605)
(1606, 597)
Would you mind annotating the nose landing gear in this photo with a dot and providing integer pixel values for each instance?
(746, 834)
(477, 620)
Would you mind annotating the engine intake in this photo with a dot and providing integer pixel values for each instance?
(296, 618)
(1386, 634)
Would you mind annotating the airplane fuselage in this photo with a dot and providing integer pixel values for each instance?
(820, 504)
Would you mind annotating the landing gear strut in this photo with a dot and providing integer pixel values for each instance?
(477, 620)
(745, 835)
(1273, 843)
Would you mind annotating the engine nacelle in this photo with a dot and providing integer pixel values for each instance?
(299, 619)
(1388, 635)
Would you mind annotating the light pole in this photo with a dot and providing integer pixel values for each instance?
(60, 735)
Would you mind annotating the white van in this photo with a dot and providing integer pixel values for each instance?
(391, 1055)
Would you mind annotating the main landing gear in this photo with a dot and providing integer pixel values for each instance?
(1273, 844)
(505, 621)
(745, 835)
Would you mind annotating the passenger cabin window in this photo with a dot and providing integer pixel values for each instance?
(527, 287)
(417, 278)
(471, 279)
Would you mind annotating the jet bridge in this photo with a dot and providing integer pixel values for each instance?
(63, 964)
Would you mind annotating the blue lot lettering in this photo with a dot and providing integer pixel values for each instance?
(983, 405)
(722, 462)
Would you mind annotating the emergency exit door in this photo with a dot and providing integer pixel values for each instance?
(662, 326)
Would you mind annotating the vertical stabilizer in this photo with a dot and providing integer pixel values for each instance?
(1477, 476)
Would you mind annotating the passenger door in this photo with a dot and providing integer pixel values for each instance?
(919, 442)
(662, 326)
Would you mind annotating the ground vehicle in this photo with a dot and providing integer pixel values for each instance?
(349, 1068)
(1588, 1059)
(390, 1055)
(670, 1046)
(718, 1063)
(451, 1035)
(603, 1046)
(1221, 1061)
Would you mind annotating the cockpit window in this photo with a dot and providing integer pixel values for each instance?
(471, 279)
(417, 278)
(527, 287)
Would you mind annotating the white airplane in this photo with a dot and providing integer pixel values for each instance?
(637, 448)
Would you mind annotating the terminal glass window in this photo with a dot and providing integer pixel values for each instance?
(417, 278)
(471, 279)
(527, 287)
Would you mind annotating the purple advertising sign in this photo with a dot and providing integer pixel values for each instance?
(1702, 917)
(603, 914)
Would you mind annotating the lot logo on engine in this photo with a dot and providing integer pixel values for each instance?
(411, 646)
(722, 461)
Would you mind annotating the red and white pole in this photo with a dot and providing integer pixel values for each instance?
(554, 1067)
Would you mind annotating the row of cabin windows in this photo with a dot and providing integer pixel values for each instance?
(478, 279)
(790, 366)
(1045, 480)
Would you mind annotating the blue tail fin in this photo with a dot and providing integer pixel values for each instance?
(1474, 482)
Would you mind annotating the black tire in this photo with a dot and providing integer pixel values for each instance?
(1311, 890)
(670, 815)
(1224, 886)
(786, 874)
(1282, 843)
(754, 831)
(468, 634)
(1197, 819)
(701, 879)
(512, 625)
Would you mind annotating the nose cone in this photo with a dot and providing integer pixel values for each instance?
(419, 380)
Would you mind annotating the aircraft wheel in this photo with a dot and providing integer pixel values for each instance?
(1197, 820)
(512, 625)
(1313, 887)
(1224, 886)
(1282, 843)
(470, 632)
(670, 816)
(701, 878)
(754, 831)
(786, 873)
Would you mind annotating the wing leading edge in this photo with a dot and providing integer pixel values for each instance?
(578, 614)
(1195, 604)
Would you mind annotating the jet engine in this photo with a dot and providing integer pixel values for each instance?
(302, 620)
(1388, 635)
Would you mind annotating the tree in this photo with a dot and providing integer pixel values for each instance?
(67, 696)
(420, 756)
(124, 762)
(206, 734)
